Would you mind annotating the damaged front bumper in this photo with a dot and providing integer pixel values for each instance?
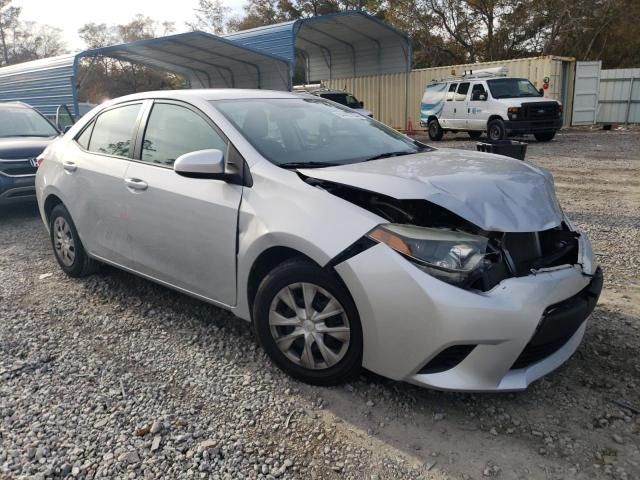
(427, 332)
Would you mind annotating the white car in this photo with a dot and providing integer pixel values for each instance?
(482, 102)
(347, 244)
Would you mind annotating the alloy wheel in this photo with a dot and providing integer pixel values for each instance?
(309, 326)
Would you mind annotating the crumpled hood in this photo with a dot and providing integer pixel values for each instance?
(494, 192)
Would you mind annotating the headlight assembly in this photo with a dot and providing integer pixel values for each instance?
(453, 257)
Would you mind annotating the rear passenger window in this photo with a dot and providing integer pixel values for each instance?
(173, 130)
(451, 92)
(113, 130)
(84, 137)
(461, 94)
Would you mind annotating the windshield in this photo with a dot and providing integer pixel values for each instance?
(512, 88)
(24, 122)
(313, 131)
(343, 99)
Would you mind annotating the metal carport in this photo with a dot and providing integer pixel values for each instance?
(204, 60)
(340, 45)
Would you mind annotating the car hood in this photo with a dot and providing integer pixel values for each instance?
(23, 147)
(494, 192)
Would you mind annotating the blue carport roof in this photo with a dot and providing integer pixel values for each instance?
(340, 45)
(205, 61)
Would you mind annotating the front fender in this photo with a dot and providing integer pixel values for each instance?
(281, 210)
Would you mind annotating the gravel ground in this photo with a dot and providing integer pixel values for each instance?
(115, 377)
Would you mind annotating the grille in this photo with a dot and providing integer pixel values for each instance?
(14, 168)
(540, 111)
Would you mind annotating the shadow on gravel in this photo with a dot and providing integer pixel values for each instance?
(17, 212)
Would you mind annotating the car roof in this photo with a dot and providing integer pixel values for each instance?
(209, 94)
(15, 105)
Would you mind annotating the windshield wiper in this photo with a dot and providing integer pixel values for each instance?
(307, 164)
(388, 154)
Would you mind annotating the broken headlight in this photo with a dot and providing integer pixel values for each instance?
(450, 256)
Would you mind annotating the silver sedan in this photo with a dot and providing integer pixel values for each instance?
(347, 244)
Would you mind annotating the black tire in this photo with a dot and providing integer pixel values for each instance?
(435, 130)
(496, 130)
(302, 271)
(81, 265)
(475, 134)
(544, 136)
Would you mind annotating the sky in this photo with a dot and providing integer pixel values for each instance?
(70, 15)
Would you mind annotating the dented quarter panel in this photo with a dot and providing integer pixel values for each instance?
(494, 192)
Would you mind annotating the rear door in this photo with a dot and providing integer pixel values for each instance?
(460, 105)
(447, 118)
(92, 181)
(182, 231)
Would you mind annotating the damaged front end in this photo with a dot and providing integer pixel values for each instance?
(455, 250)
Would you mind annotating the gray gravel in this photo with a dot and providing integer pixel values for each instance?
(114, 377)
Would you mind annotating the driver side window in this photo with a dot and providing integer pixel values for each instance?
(478, 93)
(173, 130)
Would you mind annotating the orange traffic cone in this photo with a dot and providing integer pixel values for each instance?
(409, 130)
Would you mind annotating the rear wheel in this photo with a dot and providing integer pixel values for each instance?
(475, 134)
(435, 130)
(496, 130)
(67, 247)
(307, 323)
(544, 136)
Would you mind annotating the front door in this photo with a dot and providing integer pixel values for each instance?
(182, 230)
(478, 107)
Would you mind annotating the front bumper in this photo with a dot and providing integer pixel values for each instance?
(409, 318)
(16, 189)
(531, 126)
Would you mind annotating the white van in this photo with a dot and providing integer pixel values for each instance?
(489, 101)
(339, 96)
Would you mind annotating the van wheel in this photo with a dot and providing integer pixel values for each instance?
(544, 136)
(67, 247)
(496, 130)
(435, 130)
(308, 324)
(475, 134)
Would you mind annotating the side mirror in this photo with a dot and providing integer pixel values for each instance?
(66, 129)
(361, 104)
(541, 92)
(201, 164)
(482, 97)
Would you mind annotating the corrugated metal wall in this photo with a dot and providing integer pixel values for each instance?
(619, 98)
(44, 84)
(384, 95)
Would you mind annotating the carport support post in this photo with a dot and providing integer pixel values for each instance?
(629, 100)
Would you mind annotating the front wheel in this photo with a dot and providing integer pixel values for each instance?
(496, 130)
(307, 323)
(67, 247)
(435, 130)
(544, 136)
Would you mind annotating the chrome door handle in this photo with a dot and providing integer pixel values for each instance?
(69, 166)
(136, 184)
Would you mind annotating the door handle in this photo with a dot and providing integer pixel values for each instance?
(69, 166)
(135, 184)
(454, 110)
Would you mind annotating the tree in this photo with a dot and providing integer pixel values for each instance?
(104, 77)
(210, 16)
(8, 22)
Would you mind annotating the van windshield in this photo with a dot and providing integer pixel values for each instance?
(512, 88)
(293, 132)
